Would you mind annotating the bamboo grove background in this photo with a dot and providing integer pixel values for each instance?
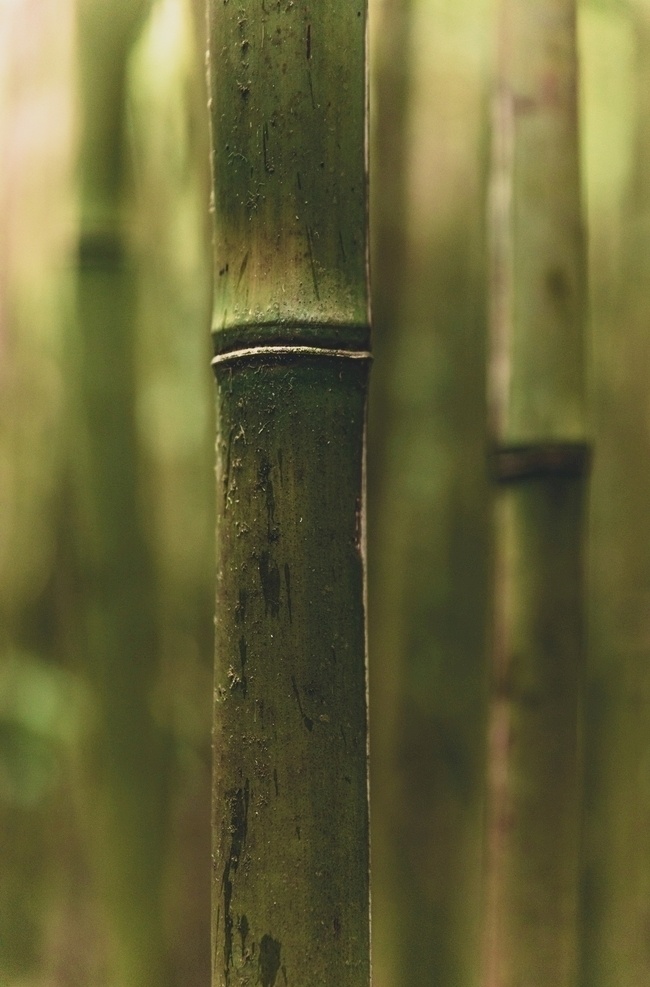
(106, 504)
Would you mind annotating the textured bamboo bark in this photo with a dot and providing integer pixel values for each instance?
(290, 814)
(539, 463)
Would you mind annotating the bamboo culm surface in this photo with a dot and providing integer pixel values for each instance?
(290, 328)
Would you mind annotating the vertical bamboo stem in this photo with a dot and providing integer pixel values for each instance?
(125, 811)
(390, 88)
(428, 609)
(290, 813)
(537, 419)
(616, 851)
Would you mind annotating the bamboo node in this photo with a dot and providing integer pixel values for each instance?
(288, 353)
(510, 464)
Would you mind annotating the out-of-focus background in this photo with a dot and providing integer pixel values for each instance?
(106, 490)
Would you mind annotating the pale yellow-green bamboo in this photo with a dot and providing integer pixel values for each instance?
(536, 376)
(429, 552)
(539, 463)
(616, 853)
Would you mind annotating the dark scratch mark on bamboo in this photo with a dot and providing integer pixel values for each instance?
(312, 262)
(242, 269)
(307, 720)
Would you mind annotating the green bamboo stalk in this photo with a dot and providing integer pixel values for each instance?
(537, 419)
(389, 40)
(616, 851)
(290, 813)
(125, 804)
(429, 556)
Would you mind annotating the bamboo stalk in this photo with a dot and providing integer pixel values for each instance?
(539, 464)
(125, 808)
(429, 556)
(290, 326)
(389, 40)
(616, 850)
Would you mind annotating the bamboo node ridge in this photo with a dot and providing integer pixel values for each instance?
(284, 352)
(508, 464)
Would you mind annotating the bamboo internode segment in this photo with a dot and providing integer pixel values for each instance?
(537, 255)
(288, 115)
(290, 882)
(534, 757)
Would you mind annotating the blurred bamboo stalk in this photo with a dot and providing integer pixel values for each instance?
(36, 230)
(539, 464)
(390, 90)
(429, 559)
(616, 851)
(291, 333)
(125, 809)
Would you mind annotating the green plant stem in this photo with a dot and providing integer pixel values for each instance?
(429, 551)
(125, 804)
(290, 324)
(537, 419)
(616, 850)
